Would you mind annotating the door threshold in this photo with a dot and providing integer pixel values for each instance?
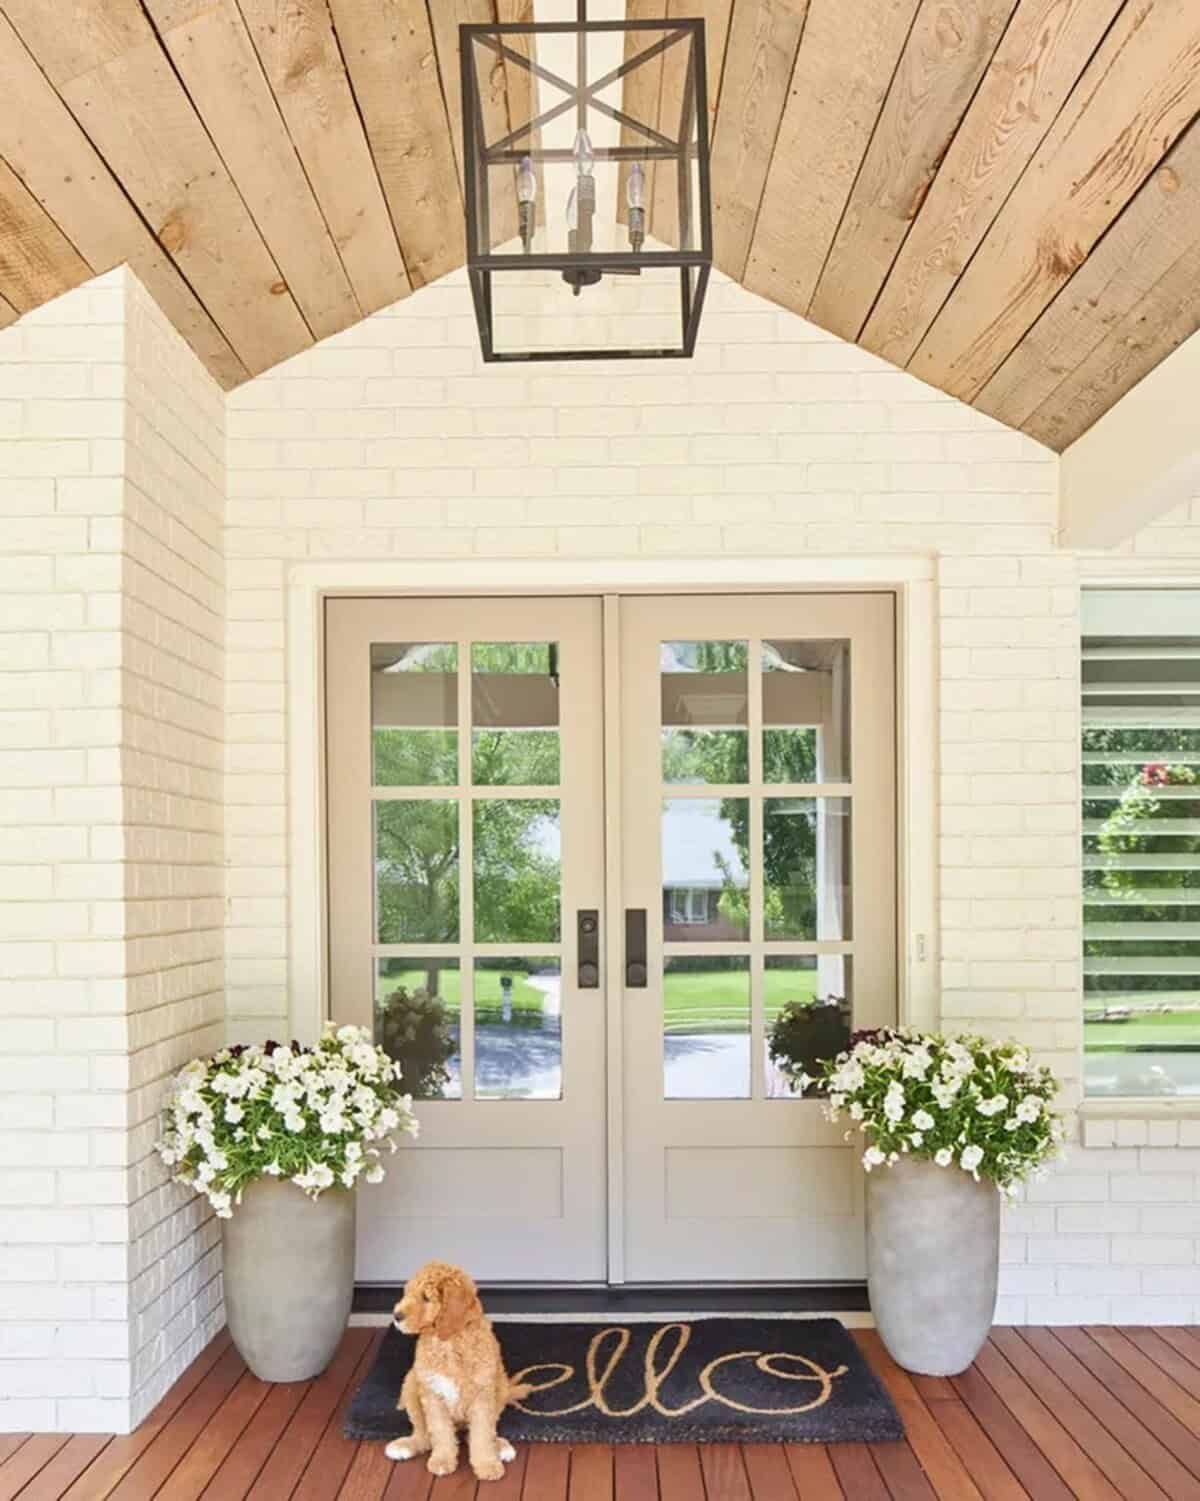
(374, 1301)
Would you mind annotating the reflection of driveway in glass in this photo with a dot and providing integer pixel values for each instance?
(551, 988)
(707, 1066)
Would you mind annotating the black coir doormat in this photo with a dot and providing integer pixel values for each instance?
(715, 1380)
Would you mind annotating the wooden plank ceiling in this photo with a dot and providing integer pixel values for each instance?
(1001, 196)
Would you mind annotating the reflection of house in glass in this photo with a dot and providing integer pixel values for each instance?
(704, 874)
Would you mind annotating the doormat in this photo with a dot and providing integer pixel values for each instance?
(699, 1381)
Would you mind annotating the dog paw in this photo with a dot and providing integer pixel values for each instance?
(442, 1464)
(401, 1448)
(506, 1451)
(488, 1469)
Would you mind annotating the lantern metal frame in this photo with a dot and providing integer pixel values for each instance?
(694, 205)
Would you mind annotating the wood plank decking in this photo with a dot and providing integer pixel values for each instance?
(1044, 1414)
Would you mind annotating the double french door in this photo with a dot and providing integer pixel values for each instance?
(593, 865)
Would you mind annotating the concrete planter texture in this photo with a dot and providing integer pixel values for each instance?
(933, 1255)
(289, 1277)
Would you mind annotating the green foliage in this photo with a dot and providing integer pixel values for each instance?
(806, 1034)
(413, 1029)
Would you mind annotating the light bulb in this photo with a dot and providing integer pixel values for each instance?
(635, 196)
(526, 202)
(635, 186)
(584, 155)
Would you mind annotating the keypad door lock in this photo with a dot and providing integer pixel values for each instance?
(587, 933)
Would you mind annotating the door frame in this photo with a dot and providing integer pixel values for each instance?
(912, 580)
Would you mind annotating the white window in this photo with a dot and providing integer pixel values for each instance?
(688, 905)
(1141, 841)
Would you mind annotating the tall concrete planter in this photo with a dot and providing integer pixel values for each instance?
(933, 1254)
(289, 1277)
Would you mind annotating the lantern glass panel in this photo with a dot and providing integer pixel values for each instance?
(583, 203)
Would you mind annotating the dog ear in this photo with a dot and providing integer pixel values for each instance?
(459, 1302)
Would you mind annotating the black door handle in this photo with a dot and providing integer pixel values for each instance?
(635, 948)
(587, 931)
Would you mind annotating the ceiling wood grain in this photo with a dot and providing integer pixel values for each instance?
(948, 49)
(836, 92)
(1000, 196)
(1140, 91)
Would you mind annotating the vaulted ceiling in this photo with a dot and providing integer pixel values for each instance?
(1001, 196)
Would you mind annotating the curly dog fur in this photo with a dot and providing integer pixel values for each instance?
(457, 1378)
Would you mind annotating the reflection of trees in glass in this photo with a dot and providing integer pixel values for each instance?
(416, 854)
(416, 842)
(514, 656)
(510, 758)
(789, 842)
(516, 871)
(1144, 895)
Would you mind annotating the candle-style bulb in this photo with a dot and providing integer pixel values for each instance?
(635, 197)
(526, 203)
(635, 186)
(526, 181)
(585, 157)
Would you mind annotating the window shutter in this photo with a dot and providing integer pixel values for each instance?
(1141, 842)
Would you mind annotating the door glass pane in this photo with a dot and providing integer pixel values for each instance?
(706, 1028)
(806, 711)
(806, 1016)
(514, 712)
(416, 870)
(806, 867)
(518, 1029)
(706, 885)
(414, 713)
(704, 711)
(417, 1022)
(518, 870)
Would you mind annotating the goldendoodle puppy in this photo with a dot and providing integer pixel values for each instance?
(457, 1379)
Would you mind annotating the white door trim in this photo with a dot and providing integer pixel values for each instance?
(912, 578)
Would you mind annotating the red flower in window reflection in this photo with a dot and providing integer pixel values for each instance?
(1156, 774)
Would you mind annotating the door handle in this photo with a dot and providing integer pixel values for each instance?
(635, 948)
(587, 933)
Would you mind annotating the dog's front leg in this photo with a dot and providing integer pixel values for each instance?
(417, 1441)
(481, 1443)
(442, 1436)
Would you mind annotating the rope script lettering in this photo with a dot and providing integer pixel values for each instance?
(601, 1365)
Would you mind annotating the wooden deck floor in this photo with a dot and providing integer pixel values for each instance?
(1045, 1414)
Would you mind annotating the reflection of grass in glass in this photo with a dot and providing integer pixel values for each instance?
(487, 989)
(719, 1001)
(783, 985)
(1170, 1029)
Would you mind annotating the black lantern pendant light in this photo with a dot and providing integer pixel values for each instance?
(589, 231)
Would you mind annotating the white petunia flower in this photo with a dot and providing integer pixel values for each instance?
(943, 1157)
(873, 1157)
(923, 1120)
(971, 1158)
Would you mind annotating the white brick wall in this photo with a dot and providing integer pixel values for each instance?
(393, 440)
(111, 477)
(143, 703)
